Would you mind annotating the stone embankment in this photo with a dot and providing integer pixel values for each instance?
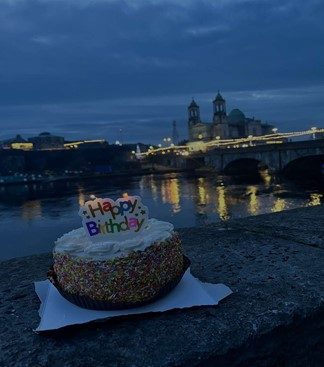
(272, 262)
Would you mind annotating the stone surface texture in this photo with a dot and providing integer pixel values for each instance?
(272, 262)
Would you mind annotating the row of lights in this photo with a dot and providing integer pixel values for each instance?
(274, 130)
(275, 135)
(164, 151)
(235, 143)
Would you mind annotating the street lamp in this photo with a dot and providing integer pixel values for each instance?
(314, 128)
(274, 130)
(167, 140)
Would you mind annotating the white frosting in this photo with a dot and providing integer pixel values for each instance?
(78, 243)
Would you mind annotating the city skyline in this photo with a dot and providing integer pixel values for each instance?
(135, 65)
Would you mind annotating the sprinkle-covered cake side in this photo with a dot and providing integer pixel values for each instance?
(136, 277)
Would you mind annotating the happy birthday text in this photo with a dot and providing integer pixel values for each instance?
(103, 217)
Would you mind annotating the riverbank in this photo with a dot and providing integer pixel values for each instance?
(273, 264)
(32, 179)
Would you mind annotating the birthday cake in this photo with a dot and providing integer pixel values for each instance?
(119, 258)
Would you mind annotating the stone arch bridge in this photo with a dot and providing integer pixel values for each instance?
(277, 157)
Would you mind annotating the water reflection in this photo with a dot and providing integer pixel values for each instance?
(174, 195)
(44, 212)
(315, 199)
(153, 187)
(202, 194)
(221, 205)
(31, 210)
(279, 205)
(266, 177)
(253, 207)
(163, 191)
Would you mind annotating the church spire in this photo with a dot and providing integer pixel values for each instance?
(175, 134)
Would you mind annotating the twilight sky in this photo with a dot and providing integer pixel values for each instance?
(87, 68)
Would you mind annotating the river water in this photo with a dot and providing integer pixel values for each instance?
(32, 217)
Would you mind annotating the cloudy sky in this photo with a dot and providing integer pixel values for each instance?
(87, 68)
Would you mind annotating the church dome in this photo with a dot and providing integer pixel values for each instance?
(236, 116)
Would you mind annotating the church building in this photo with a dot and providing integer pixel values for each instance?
(223, 125)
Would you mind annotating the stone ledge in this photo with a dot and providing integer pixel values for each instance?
(273, 317)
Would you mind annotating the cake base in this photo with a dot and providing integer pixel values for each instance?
(92, 304)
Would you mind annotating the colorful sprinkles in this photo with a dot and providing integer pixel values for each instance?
(136, 277)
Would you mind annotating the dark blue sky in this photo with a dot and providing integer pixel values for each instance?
(86, 68)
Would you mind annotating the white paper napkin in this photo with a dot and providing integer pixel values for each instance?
(56, 312)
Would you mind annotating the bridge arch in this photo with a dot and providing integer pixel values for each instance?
(244, 166)
(309, 166)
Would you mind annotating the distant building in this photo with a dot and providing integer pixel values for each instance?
(17, 143)
(223, 126)
(46, 140)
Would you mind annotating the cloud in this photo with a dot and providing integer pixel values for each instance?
(43, 40)
(109, 60)
(201, 31)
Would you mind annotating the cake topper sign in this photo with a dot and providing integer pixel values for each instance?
(102, 218)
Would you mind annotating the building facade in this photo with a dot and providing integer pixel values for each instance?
(223, 125)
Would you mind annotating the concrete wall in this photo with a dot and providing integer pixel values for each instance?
(274, 317)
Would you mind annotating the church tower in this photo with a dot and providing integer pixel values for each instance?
(219, 108)
(198, 130)
(193, 120)
(220, 125)
(193, 113)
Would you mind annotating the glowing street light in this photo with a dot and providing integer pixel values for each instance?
(314, 128)
(167, 140)
(274, 130)
(250, 142)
